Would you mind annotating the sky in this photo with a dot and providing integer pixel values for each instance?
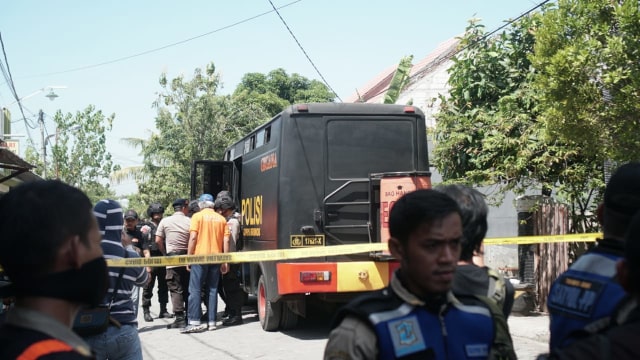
(88, 49)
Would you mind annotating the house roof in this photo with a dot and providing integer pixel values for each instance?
(374, 90)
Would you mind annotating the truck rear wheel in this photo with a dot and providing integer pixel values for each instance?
(269, 312)
(289, 319)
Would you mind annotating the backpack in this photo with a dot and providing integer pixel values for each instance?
(240, 240)
(497, 290)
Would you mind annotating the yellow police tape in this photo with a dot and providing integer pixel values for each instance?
(543, 239)
(309, 252)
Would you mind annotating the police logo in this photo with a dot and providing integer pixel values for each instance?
(406, 336)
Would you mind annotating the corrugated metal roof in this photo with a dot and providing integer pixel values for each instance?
(21, 169)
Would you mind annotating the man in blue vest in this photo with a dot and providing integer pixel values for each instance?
(583, 298)
(417, 316)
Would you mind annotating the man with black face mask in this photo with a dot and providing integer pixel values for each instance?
(50, 250)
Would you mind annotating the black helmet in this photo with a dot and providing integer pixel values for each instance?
(155, 208)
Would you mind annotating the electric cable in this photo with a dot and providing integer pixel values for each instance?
(303, 51)
(161, 47)
(12, 86)
(471, 44)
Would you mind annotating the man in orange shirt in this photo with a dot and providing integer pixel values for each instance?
(208, 234)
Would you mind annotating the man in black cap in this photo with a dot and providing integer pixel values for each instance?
(131, 220)
(587, 293)
(174, 232)
(155, 212)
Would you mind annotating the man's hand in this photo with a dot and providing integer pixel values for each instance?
(224, 268)
(145, 229)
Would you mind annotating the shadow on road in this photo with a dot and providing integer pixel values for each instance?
(315, 328)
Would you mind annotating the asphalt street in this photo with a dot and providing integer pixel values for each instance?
(248, 341)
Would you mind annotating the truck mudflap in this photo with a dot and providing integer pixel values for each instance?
(333, 277)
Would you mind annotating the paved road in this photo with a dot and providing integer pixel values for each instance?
(249, 341)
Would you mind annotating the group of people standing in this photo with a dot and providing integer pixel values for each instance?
(439, 304)
(210, 227)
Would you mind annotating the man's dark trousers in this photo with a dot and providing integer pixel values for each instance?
(158, 273)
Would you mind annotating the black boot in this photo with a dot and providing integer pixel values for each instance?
(164, 313)
(147, 315)
(179, 322)
(235, 318)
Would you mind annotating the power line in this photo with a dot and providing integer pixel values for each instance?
(12, 87)
(471, 44)
(162, 47)
(303, 51)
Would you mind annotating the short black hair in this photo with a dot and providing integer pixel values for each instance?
(474, 213)
(36, 218)
(632, 252)
(417, 208)
(194, 207)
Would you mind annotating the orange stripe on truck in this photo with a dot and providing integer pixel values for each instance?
(344, 277)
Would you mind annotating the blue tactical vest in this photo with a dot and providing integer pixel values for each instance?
(459, 332)
(583, 294)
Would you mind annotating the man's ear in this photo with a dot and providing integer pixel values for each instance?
(73, 254)
(622, 275)
(396, 249)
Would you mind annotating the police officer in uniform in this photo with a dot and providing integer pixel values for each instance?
(417, 316)
(155, 211)
(584, 297)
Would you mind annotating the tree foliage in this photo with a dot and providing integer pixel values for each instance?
(194, 122)
(79, 153)
(489, 132)
(588, 76)
(276, 90)
(399, 81)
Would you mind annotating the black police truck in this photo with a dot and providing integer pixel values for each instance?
(318, 175)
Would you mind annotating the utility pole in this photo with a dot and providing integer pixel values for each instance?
(43, 151)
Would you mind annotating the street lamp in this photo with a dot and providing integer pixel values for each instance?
(51, 96)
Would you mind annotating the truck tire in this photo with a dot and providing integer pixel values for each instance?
(289, 319)
(269, 312)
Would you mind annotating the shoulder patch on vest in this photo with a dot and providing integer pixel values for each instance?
(406, 336)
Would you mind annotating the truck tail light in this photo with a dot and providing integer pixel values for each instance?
(409, 109)
(315, 276)
(303, 108)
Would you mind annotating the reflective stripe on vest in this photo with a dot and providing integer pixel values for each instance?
(42, 348)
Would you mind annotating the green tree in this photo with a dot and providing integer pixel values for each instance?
(588, 76)
(79, 153)
(488, 131)
(193, 123)
(276, 90)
